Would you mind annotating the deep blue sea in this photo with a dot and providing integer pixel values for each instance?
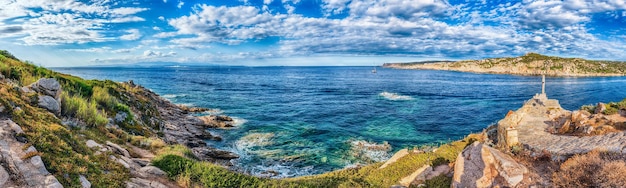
(306, 120)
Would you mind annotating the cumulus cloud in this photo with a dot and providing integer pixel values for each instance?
(395, 27)
(133, 34)
(63, 22)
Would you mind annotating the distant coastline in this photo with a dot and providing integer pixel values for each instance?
(528, 65)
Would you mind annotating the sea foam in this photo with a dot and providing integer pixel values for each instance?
(395, 96)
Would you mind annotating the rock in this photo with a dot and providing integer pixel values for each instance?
(84, 182)
(120, 117)
(4, 176)
(152, 171)
(38, 163)
(565, 127)
(47, 86)
(91, 144)
(118, 149)
(482, 166)
(14, 127)
(601, 107)
(395, 157)
(52, 182)
(143, 183)
(141, 162)
(213, 121)
(49, 104)
(31, 149)
(204, 152)
(131, 164)
(25, 90)
(439, 170)
(418, 176)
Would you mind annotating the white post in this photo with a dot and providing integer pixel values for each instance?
(543, 84)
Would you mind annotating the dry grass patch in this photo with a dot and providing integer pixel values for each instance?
(594, 169)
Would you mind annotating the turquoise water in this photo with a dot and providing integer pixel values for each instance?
(306, 120)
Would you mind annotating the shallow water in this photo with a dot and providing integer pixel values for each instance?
(302, 120)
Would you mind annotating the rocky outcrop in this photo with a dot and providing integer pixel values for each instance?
(482, 166)
(216, 121)
(395, 157)
(179, 127)
(118, 149)
(21, 168)
(418, 176)
(49, 91)
(47, 86)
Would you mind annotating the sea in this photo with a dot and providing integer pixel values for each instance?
(295, 121)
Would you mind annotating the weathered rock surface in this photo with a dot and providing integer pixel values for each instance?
(538, 115)
(482, 166)
(143, 183)
(50, 104)
(47, 86)
(84, 182)
(118, 149)
(219, 121)
(120, 117)
(395, 157)
(417, 176)
(30, 172)
(179, 127)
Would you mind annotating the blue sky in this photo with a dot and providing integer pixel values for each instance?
(306, 32)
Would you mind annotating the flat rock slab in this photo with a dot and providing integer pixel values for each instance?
(533, 134)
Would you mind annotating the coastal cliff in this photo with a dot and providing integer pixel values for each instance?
(529, 64)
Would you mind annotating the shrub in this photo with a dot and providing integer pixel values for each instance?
(87, 111)
(610, 110)
(441, 181)
(594, 169)
(103, 98)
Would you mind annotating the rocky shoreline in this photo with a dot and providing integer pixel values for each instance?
(179, 126)
(528, 65)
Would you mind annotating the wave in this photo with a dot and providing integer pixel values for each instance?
(395, 96)
(172, 96)
(368, 151)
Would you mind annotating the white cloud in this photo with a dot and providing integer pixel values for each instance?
(156, 28)
(161, 18)
(63, 22)
(133, 34)
(150, 53)
(180, 4)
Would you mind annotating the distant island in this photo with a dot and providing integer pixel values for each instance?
(529, 64)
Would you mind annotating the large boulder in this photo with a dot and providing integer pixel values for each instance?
(482, 166)
(50, 104)
(47, 86)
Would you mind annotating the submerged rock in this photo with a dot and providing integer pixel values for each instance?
(216, 121)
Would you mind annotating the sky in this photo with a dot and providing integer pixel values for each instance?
(54, 33)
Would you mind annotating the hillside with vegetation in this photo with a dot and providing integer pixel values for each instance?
(529, 64)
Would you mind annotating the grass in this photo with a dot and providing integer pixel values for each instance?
(594, 169)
